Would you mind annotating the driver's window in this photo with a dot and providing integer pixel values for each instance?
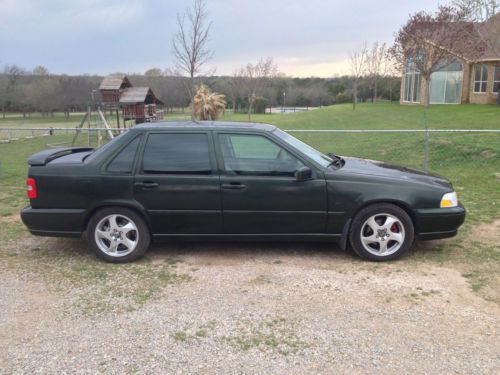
(255, 155)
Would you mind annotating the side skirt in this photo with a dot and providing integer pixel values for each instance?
(304, 237)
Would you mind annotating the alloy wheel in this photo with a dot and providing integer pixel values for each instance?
(116, 235)
(382, 234)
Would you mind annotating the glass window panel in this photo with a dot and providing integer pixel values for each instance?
(406, 95)
(478, 69)
(453, 91)
(255, 155)
(177, 153)
(454, 66)
(412, 83)
(484, 73)
(480, 78)
(438, 84)
(416, 88)
(123, 162)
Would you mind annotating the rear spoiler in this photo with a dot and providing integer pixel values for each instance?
(43, 157)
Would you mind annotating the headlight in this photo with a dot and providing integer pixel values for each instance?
(449, 200)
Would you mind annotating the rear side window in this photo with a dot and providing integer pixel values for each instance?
(177, 153)
(124, 161)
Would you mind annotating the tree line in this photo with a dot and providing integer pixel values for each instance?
(39, 91)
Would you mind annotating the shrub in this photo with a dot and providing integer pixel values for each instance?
(343, 98)
(260, 104)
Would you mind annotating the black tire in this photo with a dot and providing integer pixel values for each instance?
(141, 230)
(359, 223)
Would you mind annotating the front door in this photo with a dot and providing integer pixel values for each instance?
(177, 184)
(260, 194)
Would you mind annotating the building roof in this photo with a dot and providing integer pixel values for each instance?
(490, 31)
(114, 82)
(205, 125)
(480, 40)
(138, 95)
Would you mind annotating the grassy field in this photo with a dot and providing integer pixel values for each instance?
(471, 161)
(366, 116)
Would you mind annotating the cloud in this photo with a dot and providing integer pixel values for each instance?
(310, 37)
(59, 19)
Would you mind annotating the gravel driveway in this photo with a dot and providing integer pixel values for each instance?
(238, 308)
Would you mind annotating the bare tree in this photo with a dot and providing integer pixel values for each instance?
(390, 73)
(3, 93)
(486, 20)
(153, 72)
(190, 44)
(357, 66)
(235, 86)
(428, 41)
(40, 70)
(257, 76)
(478, 10)
(46, 90)
(375, 66)
(172, 90)
(12, 92)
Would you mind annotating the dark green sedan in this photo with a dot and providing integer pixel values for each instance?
(241, 181)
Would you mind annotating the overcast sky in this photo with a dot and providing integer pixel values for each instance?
(305, 37)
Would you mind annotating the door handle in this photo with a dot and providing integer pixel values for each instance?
(147, 185)
(234, 186)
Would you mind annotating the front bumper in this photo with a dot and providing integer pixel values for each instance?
(54, 222)
(434, 223)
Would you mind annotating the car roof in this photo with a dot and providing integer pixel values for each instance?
(203, 125)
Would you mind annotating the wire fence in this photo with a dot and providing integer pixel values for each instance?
(469, 158)
(433, 150)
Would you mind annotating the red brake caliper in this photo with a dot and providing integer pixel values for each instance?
(394, 228)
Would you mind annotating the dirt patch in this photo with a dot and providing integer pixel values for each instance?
(10, 219)
(487, 233)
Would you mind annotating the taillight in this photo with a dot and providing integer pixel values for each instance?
(31, 188)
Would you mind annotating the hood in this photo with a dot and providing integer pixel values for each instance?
(376, 168)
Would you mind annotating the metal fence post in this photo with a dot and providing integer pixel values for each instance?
(426, 149)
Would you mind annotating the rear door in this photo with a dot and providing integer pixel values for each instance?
(260, 194)
(178, 185)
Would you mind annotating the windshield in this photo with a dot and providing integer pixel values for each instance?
(317, 156)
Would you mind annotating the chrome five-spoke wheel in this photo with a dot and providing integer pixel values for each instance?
(116, 235)
(382, 234)
(381, 231)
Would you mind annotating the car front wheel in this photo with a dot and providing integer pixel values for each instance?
(381, 232)
(118, 235)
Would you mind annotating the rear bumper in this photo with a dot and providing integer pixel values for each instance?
(54, 222)
(435, 223)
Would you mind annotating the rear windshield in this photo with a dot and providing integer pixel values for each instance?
(102, 150)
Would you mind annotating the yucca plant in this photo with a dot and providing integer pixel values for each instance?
(208, 105)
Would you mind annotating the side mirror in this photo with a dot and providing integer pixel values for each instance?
(303, 174)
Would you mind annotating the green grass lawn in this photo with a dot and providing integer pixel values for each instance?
(366, 116)
(384, 116)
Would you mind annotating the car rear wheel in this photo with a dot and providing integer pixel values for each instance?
(118, 235)
(382, 232)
